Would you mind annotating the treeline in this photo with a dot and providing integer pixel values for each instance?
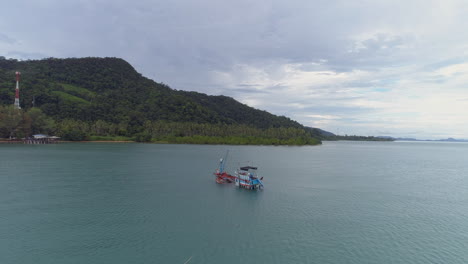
(186, 132)
(17, 123)
(224, 134)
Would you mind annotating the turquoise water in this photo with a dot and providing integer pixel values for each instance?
(342, 202)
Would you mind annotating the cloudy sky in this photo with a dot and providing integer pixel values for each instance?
(366, 67)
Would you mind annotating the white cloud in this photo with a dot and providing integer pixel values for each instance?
(453, 71)
(414, 101)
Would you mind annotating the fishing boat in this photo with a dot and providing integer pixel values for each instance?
(246, 177)
(221, 175)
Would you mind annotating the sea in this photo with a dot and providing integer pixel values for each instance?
(340, 202)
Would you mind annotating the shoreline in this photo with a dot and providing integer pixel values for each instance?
(98, 141)
(63, 141)
(129, 141)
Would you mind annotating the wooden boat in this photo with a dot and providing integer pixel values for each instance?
(246, 177)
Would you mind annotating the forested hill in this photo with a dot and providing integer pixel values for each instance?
(111, 91)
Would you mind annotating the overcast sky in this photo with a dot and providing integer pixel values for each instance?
(366, 67)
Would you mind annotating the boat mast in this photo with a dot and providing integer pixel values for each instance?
(222, 162)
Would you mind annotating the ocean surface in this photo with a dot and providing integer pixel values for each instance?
(342, 202)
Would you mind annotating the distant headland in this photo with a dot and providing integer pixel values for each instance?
(414, 139)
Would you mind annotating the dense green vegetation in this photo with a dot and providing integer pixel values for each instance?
(18, 123)
(106, 99)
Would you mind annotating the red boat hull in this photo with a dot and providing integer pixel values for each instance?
(224, 178)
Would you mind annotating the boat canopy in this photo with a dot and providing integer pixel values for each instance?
(246, 168)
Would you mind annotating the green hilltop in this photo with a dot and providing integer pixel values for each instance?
(106, 98)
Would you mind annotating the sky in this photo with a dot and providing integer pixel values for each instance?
(362, 67)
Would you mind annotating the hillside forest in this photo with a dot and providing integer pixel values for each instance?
(106, 99)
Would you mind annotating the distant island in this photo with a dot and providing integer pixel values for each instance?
(414, 139)
(329, 136)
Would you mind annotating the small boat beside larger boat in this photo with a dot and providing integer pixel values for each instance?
(221, 175)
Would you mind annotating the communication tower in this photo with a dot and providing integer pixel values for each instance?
(17, 104)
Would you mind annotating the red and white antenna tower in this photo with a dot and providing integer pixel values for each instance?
(16, 104)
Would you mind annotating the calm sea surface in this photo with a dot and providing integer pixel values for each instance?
(342, 202)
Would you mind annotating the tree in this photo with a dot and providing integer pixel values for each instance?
(10, 120)
(40, 122)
